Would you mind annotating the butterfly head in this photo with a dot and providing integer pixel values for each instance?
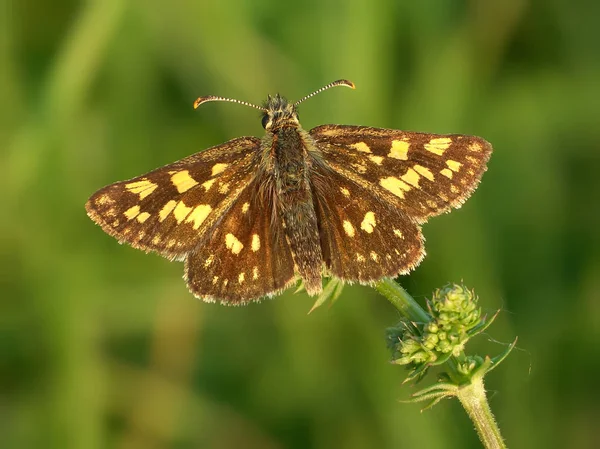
(279, 113)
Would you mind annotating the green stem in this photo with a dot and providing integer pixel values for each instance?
(471, 392)
(402, 300)
(473, 399)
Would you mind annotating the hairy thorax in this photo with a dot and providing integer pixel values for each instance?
(291, 152)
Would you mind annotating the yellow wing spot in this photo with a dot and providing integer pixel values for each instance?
(183, 181)
(399, 150)
(395, 186)
(424, 171)
(112, 212)
(115, 223)
(398, 233)
(166, 210)
(132, 212)
(360, 257)
(143, 217)
(360, 146)
(198, 215)
(475, 147)
(345, 191)
(218, 168)
(453, 165)
(232, 243)
(432, 204)
(255, 242)
(126, 231)
(438, 145)
(215, 280)
(103, 200)
(225, 282)
(388, 256)
(376, 159)
(361, 168)
(348, 228)
(181, 211)
(241, 277)
(368, 223)
(255, 273)
(472, 160)
(443, 196)
(470, 172)
(245, 207)
(171, 243)
(208, 184)
(454, 189)
(224, 188)
(208, 262)
(156, 239)
(140, 235)
(411, 177)
(447, 173)
(142, 188)
(374, 256)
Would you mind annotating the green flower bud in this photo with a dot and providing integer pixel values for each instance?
(431, 327)
(430, 340)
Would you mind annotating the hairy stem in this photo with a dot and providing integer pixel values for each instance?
(473, 399)
(402, 300)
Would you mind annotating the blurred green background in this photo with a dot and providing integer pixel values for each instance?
(101, 346)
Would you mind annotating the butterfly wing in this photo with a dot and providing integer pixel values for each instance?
(363, 238)
(422, 174)
(246, 256)
(375, 186)
(214, 210)
(168, 209)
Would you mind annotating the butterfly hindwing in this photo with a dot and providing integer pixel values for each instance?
(168, 209)
(362, 237)
(423, 174)
(246, 256)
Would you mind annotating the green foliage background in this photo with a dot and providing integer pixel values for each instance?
(101, 346)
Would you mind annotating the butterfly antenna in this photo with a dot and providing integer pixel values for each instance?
(208, 98)
(346, 83)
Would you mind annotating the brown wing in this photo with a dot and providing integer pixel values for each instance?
(246, 256)
(169, 209)
(363, 238)
(421, 174)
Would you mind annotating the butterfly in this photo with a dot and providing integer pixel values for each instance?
(253, 215)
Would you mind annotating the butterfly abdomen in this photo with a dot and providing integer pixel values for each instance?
(292, 180)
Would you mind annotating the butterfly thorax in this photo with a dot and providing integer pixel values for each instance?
(290, 149)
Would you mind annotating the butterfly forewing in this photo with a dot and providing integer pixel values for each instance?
(363, 238)
(421, 174)
(246, 257)
(168, 209)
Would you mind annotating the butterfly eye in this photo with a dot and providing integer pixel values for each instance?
(265, 120)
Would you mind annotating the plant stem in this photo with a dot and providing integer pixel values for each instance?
(470, 391)
(400, 298)
(473, 399)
